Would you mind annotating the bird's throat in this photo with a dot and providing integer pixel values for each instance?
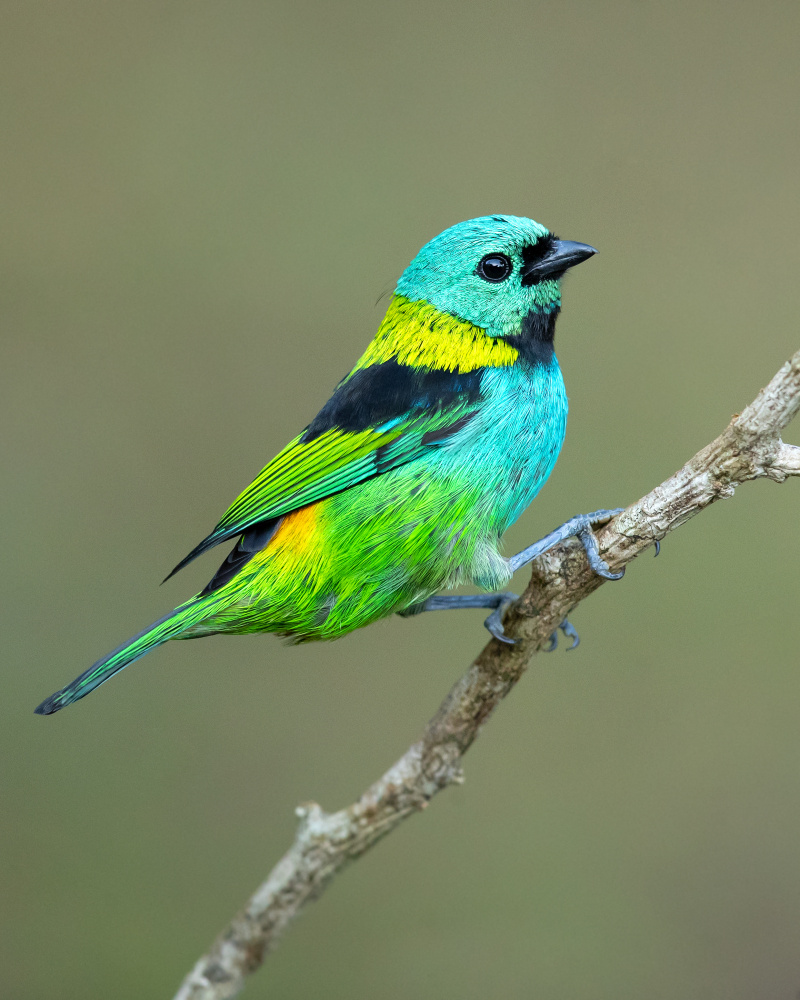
(534, 342)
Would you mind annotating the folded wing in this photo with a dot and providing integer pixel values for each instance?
(378, 419)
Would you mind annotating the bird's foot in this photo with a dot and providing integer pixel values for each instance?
(494, 623)
(499, 601)
(579, 527)
(569, 632)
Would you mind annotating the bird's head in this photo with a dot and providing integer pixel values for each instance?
(497, 272)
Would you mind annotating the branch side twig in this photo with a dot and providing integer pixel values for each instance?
(749, 448)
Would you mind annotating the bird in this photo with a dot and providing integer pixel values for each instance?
(404, 483)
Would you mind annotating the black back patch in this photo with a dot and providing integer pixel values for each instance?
(372, 396)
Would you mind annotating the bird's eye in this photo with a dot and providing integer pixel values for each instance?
(494, 267)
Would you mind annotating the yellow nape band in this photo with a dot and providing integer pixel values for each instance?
(418, 334)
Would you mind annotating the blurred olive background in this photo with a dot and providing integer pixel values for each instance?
(202, 204)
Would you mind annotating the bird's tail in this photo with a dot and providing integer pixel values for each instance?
(168, 627)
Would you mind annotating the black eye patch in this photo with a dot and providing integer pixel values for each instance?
(537, 251)
(534, 253)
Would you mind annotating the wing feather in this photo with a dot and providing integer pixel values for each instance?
(339, 450)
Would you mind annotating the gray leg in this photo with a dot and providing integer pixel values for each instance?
(494, 623)
(580, 527)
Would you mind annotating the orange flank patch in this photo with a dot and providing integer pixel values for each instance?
(298, 533)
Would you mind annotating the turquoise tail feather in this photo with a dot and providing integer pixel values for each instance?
(168, 627)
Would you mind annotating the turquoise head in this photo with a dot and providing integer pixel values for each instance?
(499, 272)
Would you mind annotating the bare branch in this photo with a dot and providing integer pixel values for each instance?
(749, 448)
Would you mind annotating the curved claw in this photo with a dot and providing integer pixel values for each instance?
(658, 547)
(494, 623)
(599, 565)
(570, 632)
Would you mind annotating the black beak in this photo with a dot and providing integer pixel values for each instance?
(562, 255)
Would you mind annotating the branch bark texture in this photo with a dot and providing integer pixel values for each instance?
(750, 447)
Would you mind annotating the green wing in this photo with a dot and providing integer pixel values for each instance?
(336, 459)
